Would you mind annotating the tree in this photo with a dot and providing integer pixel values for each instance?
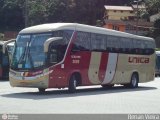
(58, 11)
(1, 14)
(157, 28)
(11, 15)
(153, 6)
(156, 32)
(36, 12)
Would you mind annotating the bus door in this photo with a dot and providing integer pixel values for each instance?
(55, 49)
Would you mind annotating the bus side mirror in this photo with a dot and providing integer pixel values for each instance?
(49, 41)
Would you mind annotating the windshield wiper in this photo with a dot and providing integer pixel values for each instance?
(21, 59)
(30, 58)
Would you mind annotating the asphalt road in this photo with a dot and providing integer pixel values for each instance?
(145, 99)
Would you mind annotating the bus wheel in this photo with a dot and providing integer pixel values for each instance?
(72, 84)
(134, 80)
(41, 90)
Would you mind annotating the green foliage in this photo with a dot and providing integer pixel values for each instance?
(11, 15)
(36, 12)
(157, 28)
(58, 11)
(153, 6)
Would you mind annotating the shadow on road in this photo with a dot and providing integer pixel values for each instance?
(80, 92)
(4, 80)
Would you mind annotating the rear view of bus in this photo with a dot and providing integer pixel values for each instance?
(6, 49)
(63, 55)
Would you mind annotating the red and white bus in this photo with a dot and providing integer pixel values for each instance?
(60, 55)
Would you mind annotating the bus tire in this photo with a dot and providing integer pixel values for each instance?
(72, 84)
(134, 80)
(41, 90)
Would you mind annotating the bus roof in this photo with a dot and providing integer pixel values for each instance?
(79, 27)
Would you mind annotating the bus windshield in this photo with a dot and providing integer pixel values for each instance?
(29, 53)
(29, 49)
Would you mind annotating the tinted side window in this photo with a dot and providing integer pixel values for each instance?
(56, 51)
(102, 41)
(98, 42)
(126, 45)
(143, 47)
(149, 47)
(58, 48)
(82, 41)
(113, 43)
(65, 34)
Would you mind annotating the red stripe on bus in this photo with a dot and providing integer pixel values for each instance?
(103, 66)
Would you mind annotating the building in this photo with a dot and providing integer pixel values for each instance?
(10, 35)
(116, 15)
(118, 12)
(125, 19)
